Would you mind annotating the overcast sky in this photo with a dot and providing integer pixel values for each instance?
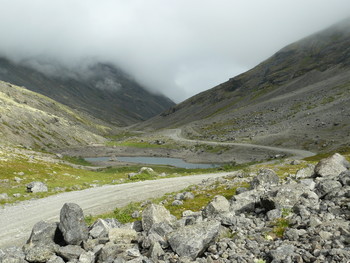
(177, 47)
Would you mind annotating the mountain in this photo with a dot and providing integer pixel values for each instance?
(101, 90)
(299, 97)
(31, 119)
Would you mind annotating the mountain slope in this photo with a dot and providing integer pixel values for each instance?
(101, 90)
(298, 97)
(31, 119)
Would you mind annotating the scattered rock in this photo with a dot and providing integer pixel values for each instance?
(36, 187)
(177, 203)
(4, 196)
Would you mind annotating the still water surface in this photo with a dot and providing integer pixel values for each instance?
(156, 160)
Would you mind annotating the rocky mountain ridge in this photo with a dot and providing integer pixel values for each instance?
(33, 120)
(302, 88)
(100, 90)
(304, 218)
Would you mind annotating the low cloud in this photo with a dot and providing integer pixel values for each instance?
(177, 48)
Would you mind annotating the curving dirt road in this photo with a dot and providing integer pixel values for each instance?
(176, 135)
(17, 221)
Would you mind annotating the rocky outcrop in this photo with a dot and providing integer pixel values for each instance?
(284, 221)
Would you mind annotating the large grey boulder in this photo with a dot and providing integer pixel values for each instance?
(72, 224)
(217, 206)
(332, 166)
(153, 214)
(265, 178)
(44, 233)
(36, 187)
(192, 241)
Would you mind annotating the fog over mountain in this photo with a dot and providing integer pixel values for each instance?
(177, 48)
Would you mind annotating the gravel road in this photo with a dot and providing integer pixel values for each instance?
(16, 221)
(176, 134)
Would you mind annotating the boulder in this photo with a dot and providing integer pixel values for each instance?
(245, 202)
(305, 172)
(55, 259)
(332, 166)
(217, 206)
(36, 187)
(122, 235)
(284, 196)
(155, 214)
(192, 241)
(326, 186)
(155, 252)
(101, 227)
(344, 178)
(87, 257)
(283, 253)
(45, 233)
(72, 224)
(108, 253)
(70, 252)
(40, 253)
(265, 178)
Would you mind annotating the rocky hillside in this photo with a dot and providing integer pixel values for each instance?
(304, 218)
(101, 90)
(31, 119)
(301, 92)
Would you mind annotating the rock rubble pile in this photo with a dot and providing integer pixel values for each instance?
(305, 218)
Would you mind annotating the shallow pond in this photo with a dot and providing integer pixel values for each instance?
(156, 160)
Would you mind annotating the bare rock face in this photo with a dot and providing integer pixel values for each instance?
(72, 224)
(191, 241)
(36, 187)
(155, 214)
(332, 166)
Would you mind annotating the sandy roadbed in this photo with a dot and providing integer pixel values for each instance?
(16, 221)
